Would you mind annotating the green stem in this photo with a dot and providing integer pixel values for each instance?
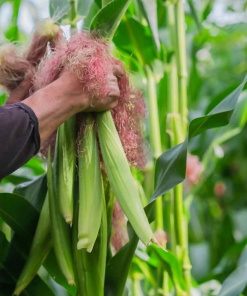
(154, 136)
(181, 61)
(177, 98)
(72, 13)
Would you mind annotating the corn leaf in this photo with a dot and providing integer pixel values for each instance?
(108, 18)
(33, 191)
(11, 207)
(149, 9)
(11, 266)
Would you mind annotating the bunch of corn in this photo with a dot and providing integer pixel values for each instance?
(88, 210)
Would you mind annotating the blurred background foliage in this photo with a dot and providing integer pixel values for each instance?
(217, 62)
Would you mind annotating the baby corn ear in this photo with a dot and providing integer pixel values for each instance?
(90, 188)
(66, 158)
(59, 229)
(120, 178)
(40, 248)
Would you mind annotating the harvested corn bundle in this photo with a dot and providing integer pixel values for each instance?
(90, 60)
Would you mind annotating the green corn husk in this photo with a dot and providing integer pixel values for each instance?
(120, 178)
(90, 267)
(90, 188)
(59, 229)
(40, 248)
(66, 163)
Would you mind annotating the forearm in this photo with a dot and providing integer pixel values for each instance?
(52, 107)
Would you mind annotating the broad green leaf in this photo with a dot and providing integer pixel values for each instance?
(11, 268)
(235, 282)
(118, 267)
(149, 9)
(19, 214)
(13, 32)
(171, 166)
(22, 217)
(108, 18)
(4, 247)
(135, 39)
(168, 258)
(146, 270)
(93, 10)
(34, 191)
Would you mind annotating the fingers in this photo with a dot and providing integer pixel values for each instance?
(21, 92)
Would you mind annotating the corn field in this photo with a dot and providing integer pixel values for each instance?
(148, 198)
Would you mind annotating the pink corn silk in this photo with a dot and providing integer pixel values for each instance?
(119, 229)
(90, 60)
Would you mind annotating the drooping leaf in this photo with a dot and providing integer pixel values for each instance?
(19, 214)
(11, 267)
(34, 191)
(108, 18)
(22, 217)
(149, 9)
(194, 15)
(235, 282)
(93, 10)
(135, 39)
(168, 258)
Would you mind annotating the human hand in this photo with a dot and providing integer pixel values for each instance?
(71, 88)
(21, 92)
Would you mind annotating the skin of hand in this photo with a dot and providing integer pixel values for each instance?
(65, 97)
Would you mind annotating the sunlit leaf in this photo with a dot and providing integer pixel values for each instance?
(108, 18)
(11, 267)
(149, 9)
(235, 282)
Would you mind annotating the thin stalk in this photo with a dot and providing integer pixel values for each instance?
(181, 61)
(154, 136)
(177, 98)
(181, 223)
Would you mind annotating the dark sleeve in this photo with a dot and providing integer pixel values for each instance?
(19, 137)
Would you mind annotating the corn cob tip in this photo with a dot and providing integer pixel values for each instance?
(68, 220)
(83, 243)
(155, 242)
(71, 282)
